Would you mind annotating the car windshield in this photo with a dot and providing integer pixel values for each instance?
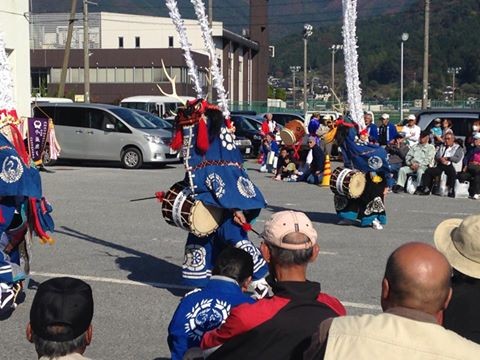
(134, 119)
(246, 124)
(159, 122)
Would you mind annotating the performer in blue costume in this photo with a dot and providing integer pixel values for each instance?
(215, 176)
(371, 159)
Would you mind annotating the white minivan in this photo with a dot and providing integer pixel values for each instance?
(163, 106)
(107, 132)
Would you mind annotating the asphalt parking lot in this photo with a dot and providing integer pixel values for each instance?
(132, 257)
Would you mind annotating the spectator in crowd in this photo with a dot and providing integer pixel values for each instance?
(415, 293)
(280, 163)
(447, 126)
(397, 151)
(314, 172)
(269, 125)
(457, 239)
(448, 159)
(314, 125)
(470, 140)
(372, 129)
(270, 151)
(411, 131)
(279, 327)
(325, 126)
(471, 168)
(289, 170)
(387, 131)
(436, 132)
(205, 309)
(61, 315)
(418, 159)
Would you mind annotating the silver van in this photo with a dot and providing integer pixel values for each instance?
(462, 119)
(107, 132)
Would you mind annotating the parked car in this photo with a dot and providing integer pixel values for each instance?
(245, 128)
(462, 119)
(107, 132)
(244, 145)
(156, 120)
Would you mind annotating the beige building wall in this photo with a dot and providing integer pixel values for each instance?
(15, 29)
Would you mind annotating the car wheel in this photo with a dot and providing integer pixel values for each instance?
(132, 158)
(46, 159)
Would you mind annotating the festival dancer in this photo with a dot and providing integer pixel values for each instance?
(368, 209)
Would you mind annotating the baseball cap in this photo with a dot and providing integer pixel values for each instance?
(63, 301)
(286, 222)
(385, 116)
(411, 117)
(437, 120)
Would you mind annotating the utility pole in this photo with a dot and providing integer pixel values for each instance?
(210, 20)
(425, 55)
(86, 60)
(66, 55)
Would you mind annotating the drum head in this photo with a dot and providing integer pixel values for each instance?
(288, 137)
(357, 185)
(204, 219)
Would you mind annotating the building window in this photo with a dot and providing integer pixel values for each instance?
(120, 42)
(137, 41)
(170, 41)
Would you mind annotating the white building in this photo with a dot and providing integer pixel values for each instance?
(117, 33)
(15, 27)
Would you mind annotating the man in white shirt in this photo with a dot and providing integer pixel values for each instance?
(411, 131)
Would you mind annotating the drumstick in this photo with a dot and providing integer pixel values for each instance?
(248, 227)
(145, 198)
(159, 195)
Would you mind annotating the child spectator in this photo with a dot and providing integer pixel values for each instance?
(289, 170)
(436, 132)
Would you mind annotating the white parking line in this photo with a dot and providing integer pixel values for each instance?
(168, 286)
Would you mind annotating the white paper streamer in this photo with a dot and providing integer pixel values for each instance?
(351, 61)
(185, 45)
(217, 77)
(6, 81)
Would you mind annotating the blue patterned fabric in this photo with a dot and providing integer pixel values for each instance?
(366, 158)
(16, 179)
(218, 177)
(202, 310)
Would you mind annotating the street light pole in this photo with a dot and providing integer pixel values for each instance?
(294, 70)
(334, 49)
(307, 32)
(454, 71)
(86, 59)
(404, 38)
(426, 38)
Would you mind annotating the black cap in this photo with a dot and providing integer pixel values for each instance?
(424, 133)
(63, 301)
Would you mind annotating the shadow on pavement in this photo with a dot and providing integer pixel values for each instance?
(318, 217)
(143, 268)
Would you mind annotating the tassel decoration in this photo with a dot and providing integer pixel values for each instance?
(160, 195)
(202, 136)
(177, 140)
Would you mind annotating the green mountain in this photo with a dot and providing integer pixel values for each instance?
(454, 42)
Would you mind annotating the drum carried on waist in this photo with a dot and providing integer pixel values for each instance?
(348, 182)
(293, 132)
(179, 208)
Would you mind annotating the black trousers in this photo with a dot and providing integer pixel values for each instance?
(472, 175)
(431, 173)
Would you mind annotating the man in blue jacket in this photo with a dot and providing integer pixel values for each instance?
(387, 131)
(205, 309)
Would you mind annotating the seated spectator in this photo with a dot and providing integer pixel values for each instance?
(411, 131)
(280, 163)
(447, 158)
(289, 170)
(436, 132)
(269, 125)
(447, 126)
(397, 151)
(415, 293)
(279, 327)
(325, 126)
(457, 239)
(471, 169)
(419, 158)
(61, 315)
(314, 172)
(470, 139)
(372, 129)
(206, 309)
(270, 151)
